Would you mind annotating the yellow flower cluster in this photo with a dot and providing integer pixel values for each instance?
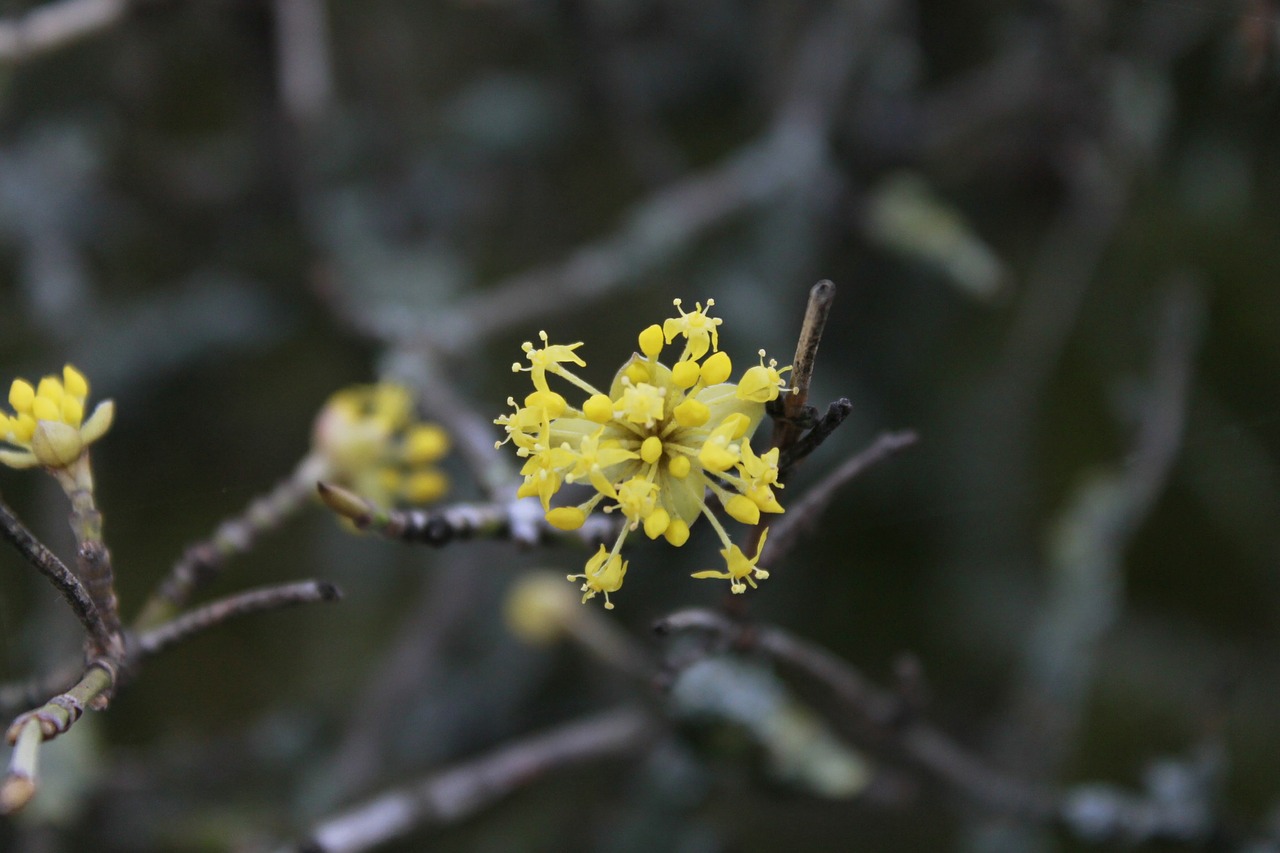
(653, 445)
(48, 426)
(369, 439)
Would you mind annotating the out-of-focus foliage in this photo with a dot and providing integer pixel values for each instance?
(223, 212)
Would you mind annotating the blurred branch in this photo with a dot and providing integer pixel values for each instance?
(203, 561)
(234, 607)
(786, 157)
(1086, 559)
(304, 69)
(884, 711)
(62, 578)
(1172, 806)
(55, 25)
(805, 513)
(454, 795)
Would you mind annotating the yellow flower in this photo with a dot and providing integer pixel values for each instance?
(372, 442)
(741, 568)
(604, 574)
(48, 426)
(653, 444)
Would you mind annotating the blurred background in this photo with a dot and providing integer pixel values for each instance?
(1052, 227)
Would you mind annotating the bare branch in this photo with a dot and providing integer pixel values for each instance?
(884, 711)
(62, 578)
(804, 514)
(821, 296)
(202, 562)
(456, 794)
(520, 520)
(55, 717)
(304, 72)
(55, 25)
(233, 607)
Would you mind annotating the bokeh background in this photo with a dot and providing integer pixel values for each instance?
(1053, 230)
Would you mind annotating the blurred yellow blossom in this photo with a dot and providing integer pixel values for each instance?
(371, 442)
(652, 445)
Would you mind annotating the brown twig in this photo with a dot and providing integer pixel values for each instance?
(787, 429)
(453, 795)
(62, 578)
(233, 607)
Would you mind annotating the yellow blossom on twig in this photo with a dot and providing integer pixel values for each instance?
(48, 426)
(372, 442)
(652, 445)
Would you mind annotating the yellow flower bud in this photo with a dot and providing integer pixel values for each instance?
(716, 368)
(691, 413)
(424, 486)
(651, 449)
(677, 532)
(679, 467)
(21, 396)
(74, 381)
(651, 341)
(598, 408)
(425, 443)
(566, 517)
(685, 374)
(657, 523)
(743, 509)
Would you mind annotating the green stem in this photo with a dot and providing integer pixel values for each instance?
(33, 728)
(93, 560)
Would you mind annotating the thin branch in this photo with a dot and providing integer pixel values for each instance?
(785, 158)
(785, 429)
(1086, 554)
(454, 795)
(55, 717)
(55, 25)
(304, 68)
(233, 607)
(883, 710)
(820, 429)
(204, 561)
(520, 520)
(62, 578)
(805, 513)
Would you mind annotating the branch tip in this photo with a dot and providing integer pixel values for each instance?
(346, 503)
(16, 792)
(328, 591)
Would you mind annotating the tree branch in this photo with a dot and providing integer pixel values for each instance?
(233, 607)
(456, 794)
(54, 25)
(62, 578)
